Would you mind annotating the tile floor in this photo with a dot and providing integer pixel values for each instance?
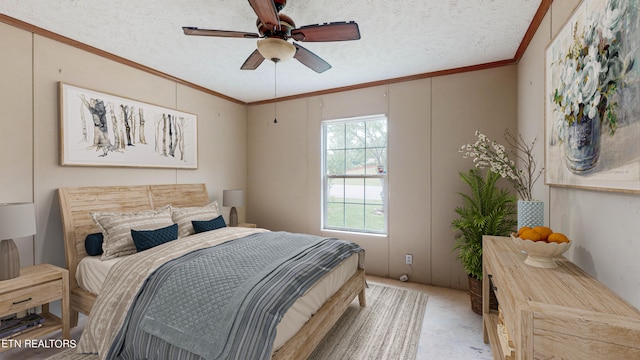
(450, 329)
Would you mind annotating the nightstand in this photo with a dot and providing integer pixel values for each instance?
(37, 286)
(247, 225)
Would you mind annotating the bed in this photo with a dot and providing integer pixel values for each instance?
(78, 203)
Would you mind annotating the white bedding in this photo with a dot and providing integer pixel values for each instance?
(92, 272)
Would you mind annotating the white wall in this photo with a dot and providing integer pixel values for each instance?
(599, 223)
(428, 120)
(31, 67)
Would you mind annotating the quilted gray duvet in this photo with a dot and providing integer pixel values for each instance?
(224, 301)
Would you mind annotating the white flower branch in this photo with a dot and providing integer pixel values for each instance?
(493, 156)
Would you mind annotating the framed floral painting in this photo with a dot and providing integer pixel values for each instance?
(100, 129)
(592, 98)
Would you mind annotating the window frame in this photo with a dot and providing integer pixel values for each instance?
(326, 178)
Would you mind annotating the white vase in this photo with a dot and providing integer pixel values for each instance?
(530, 213)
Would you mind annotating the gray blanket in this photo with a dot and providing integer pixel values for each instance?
(225, 302)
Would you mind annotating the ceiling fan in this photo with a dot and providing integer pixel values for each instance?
(275, 29)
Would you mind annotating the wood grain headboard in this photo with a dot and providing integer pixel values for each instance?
(77, 204)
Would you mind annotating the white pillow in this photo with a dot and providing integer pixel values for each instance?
(184, 216)
(116, 228)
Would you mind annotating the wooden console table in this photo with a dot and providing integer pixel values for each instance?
(560, 313)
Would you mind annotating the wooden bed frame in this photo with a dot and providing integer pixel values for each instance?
(76, 205)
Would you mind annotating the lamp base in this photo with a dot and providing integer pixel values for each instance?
(233, 217)
(9, 260)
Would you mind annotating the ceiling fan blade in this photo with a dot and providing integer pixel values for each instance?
(220, 33)
(267, 12)
(311, 60)
(253, 61)
(336, 31)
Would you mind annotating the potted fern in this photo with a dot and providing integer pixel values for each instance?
(487, 210)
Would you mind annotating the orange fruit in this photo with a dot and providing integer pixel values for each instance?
(558, 238)
(530, 235)
(522, 229)
(544, 232)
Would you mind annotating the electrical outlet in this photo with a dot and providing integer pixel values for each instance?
(408, 259)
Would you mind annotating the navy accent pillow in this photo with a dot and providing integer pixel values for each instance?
(208, 225)
(146, 239)
(93, 244)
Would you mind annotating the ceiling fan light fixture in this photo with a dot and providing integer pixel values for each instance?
(276, 49)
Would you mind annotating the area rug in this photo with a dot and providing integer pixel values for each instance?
(387, 328)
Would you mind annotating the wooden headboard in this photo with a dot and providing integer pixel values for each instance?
(77, 204)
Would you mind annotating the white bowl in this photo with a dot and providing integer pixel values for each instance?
(541, 253)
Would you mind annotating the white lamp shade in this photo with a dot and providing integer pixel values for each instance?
(17, 220)
(275, 49)
(232, 198)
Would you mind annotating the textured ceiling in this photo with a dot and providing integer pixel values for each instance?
(399, 38)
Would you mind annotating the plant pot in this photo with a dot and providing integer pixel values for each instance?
(582, 148)
(475, 293)
(530, 213)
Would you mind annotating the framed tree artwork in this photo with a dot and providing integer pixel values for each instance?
(99, 129)
(592, 98)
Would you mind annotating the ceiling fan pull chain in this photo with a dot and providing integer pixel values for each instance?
(275, 92)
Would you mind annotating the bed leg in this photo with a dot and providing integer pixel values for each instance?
(362, 298)
(73, 319)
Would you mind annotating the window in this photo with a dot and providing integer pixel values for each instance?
(355, 174)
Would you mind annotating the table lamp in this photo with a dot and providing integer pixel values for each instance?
(16, 221)
(233, 198)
